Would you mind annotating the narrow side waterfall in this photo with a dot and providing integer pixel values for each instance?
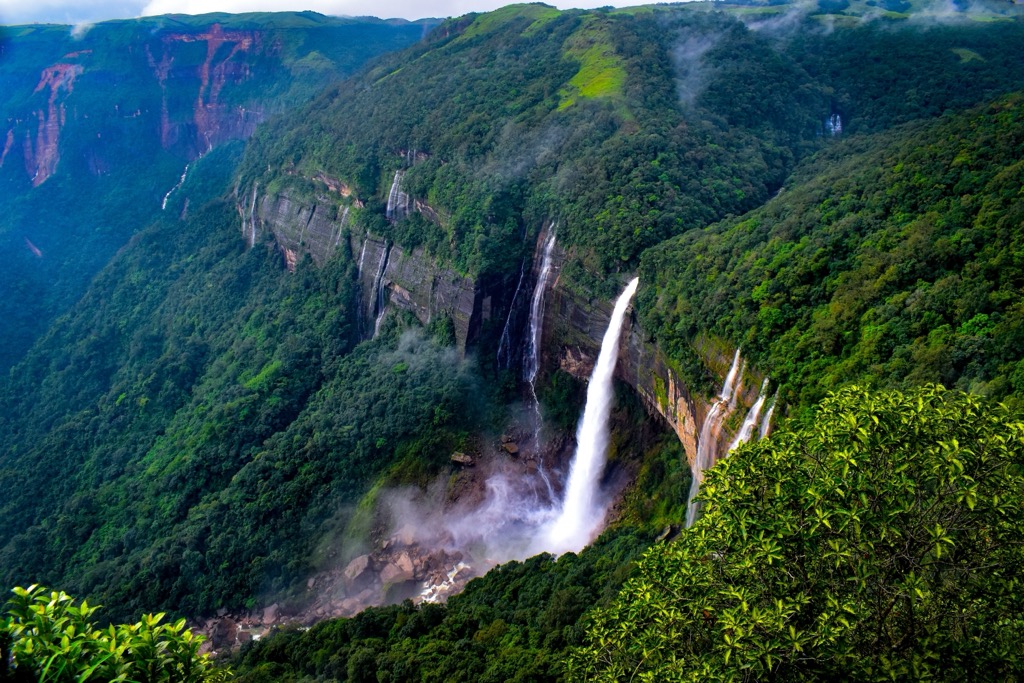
(379, 298)
(341, 229)
(582, 513)
(766, 421)
(248, 224)
(531, 355)
(398, 201)
(181, 181)
(707, 446)
(750, 421)
(362, 257)
(834, 125)
(505, 343)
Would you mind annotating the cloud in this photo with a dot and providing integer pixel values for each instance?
(67, 11)
(81, 11)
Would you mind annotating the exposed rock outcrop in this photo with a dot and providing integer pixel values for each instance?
(299, 228)
(42, 153)
(208, 121)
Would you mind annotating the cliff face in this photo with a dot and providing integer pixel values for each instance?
(573, 331)
(41, 154)
(193, 126)
(393, 277)
(390, 276)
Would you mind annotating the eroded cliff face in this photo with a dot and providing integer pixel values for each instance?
(41, 149)
(196, 126)
(203, 77)
(390, 276)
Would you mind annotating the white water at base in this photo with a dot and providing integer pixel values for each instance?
(581, 513)
(707, 446)
(750, 421)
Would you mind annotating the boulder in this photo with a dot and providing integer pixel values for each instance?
(358, 573)
(398, 570)
(462, 458)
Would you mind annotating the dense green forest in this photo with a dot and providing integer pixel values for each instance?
(891, 260)
(627, 126)
(206, 427)
(877, 540)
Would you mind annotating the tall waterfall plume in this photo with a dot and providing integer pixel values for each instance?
(707, 447)
(582, 512)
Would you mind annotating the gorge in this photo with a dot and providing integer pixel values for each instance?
(425, 374)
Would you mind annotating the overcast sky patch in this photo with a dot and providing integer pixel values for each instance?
(85, 11)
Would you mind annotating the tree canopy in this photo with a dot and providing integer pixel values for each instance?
(880, 539)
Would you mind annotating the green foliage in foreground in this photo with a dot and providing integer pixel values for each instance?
(879, 541)
(46, 636)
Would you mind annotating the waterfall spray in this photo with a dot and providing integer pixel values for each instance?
(707, 447)
(582, 513)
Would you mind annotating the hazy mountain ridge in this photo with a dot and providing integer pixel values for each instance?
(98, 124)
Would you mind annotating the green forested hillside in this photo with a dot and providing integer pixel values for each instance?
(877, 540)
(891, 260)
(627, 126)
(846, 227)
(209, 420)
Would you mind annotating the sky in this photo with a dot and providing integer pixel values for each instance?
(86, 11)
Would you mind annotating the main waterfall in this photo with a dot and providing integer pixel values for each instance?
(581, 513)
